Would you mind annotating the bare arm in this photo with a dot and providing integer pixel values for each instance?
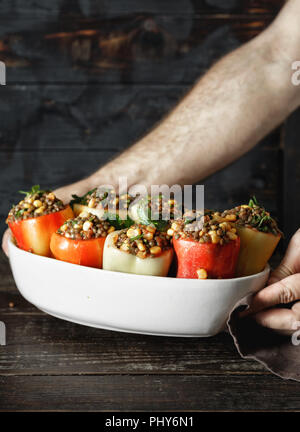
(241, 99)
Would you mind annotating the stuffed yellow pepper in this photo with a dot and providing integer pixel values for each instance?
(140, 249)
(259, 235)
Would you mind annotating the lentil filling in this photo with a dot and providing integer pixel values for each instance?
(142, 241)
(36, 203)
(254, 216)
(163, 208)
(209, 227)
(85, 227)
(106, 200)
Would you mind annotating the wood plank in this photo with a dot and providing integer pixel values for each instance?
(38, 344)
(131, 49)
(43, 11)
(80, 117)
(151, 393)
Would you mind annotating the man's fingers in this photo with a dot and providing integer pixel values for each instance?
(285, 291)
(281, 272)
(5, 241)
(291, 261)
(283, 320)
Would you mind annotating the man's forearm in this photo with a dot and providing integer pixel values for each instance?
(242, 98)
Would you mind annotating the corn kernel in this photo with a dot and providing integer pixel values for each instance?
(225, 226)
(231, 235)
(92, 203)
(124, 247)
(87, 225)
(141, 246)
(141, 254)
(27, 206)
(40, 210)
(175, 226)
(151, 228)
(231, 217)
(215, 239)
(51, 196)
(83, 214)
(37, 203)
(148, 236)
(201, 273)
(155, 250)
(133, 232)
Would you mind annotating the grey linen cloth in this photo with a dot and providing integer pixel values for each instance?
(276, 352)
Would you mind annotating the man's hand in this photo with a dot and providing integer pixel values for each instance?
(283, 288)
(5, 241)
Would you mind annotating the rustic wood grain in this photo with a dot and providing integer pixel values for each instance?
(108, 8)
(124, 392)
(136, 49)
(115, 41)
(38, 344)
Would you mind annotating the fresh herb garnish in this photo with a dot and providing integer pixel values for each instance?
(19, 213)
(115, 220)
(253, 202)
(136, 237)
(263, 220)
(81, 199)
(161, 225)
(34, 190)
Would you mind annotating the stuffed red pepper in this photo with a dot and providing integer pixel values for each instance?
(34, 219)
(208, 252)
(81, 240)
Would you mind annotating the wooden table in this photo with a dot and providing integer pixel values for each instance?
(50, 364)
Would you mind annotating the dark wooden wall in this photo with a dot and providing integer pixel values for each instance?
(86, 78)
